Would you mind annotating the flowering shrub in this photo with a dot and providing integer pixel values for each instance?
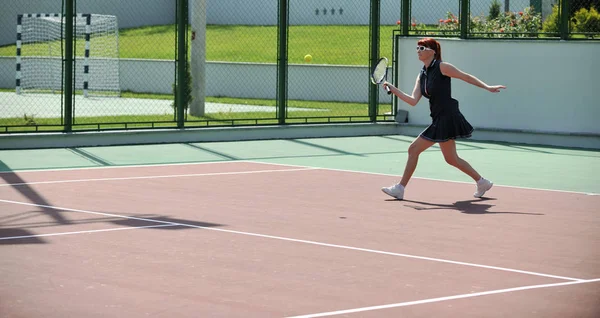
(449, 25)
(414, 26)
(525, 23)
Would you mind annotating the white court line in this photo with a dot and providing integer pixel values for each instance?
(158, 177)
(133, 166)
(423, 178)
(433, 300)
(291, 165)
(304, 241)
(85, 232)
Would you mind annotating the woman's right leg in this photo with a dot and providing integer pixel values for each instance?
(419, 145)
(414, 150)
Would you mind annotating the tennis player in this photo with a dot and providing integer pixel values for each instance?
(447, 123)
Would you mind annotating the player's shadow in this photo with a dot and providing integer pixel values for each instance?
(475, 206)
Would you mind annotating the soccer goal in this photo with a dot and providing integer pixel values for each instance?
(40, 50)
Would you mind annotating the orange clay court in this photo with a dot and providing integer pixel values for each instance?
(252, 239)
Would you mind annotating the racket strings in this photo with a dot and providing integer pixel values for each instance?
(379, 73)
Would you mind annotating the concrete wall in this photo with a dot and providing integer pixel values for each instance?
(307, 82)
(552, 86)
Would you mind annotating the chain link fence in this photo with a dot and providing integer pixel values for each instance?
(123, 66)
(142, 66)
(238, 71)
(328, 61)
(235, 44)
(30, 67)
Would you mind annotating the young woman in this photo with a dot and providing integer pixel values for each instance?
(447, 123)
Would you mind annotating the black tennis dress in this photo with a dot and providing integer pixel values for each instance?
(447, 121)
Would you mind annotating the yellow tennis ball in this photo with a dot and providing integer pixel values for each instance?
(307, 57)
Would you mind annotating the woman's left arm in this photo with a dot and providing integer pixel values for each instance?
(451, 71)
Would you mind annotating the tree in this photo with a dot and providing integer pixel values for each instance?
(494, 10)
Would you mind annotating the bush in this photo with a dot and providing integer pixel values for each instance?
(188, 89)
(587, 20)
(552, 23)
(577, 5)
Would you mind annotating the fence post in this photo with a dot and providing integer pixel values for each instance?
(405, 17)
(564, 19)
(181, 96)
(374, 57)
(282, 61)
(465, 18)
(68, 66)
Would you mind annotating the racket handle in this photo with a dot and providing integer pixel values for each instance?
(387, 89)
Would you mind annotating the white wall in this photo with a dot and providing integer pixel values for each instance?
(8, 72)
(551, 85)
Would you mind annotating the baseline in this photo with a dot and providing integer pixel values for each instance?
(432, 300)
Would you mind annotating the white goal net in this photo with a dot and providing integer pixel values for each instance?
(40, 51)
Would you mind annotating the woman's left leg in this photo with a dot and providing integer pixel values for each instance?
(449, 151)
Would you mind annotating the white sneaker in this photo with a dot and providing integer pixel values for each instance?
(483, 185)
(396, 191)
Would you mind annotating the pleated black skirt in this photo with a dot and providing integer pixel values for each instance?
(448, 126)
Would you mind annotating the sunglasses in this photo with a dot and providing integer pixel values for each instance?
(423, 48)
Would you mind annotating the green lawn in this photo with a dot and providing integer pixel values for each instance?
(341, 45)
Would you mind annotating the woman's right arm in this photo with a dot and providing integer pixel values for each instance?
(413, 99)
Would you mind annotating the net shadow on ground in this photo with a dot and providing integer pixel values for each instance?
(214, 152)
(176, 224)
(18, 234)
(32, 196)
(27, 237)
(331, 149)
(91, 157)
(401, 149)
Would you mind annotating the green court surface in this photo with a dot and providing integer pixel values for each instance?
(506, 164)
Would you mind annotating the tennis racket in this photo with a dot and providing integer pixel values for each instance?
(379, 74)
